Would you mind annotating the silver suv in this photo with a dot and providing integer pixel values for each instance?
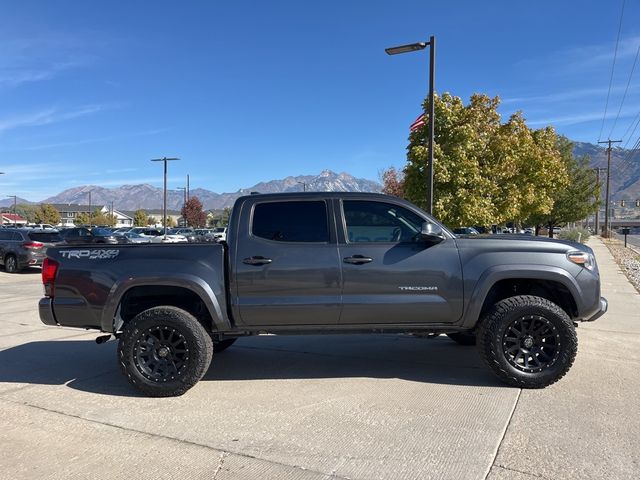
(23, 247)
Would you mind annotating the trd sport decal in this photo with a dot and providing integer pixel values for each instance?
(91, 254)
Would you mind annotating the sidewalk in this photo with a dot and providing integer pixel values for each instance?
(586, 426)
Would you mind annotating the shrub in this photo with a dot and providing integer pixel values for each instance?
(575, 235)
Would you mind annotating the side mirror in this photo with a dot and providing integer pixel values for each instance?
(431, 232)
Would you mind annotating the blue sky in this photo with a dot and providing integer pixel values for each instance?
(252, 91)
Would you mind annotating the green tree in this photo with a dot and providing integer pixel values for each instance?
(578, 198)
(192, 212)
(485, 171)
(100, 218)
(82, 218)
(47, 214)
(140, 218)
(25, 211)
(226, 214)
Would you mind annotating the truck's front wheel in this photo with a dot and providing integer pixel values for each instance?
(164, 351)
(529, 342)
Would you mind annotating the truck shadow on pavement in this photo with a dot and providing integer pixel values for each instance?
(85, 366)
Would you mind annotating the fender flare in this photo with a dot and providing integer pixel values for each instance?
(186, 281)
(497, 273)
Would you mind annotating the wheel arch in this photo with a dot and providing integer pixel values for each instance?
(133, 295)
(497, 283)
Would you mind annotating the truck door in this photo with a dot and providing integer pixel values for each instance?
(390, 275)
(287, 270)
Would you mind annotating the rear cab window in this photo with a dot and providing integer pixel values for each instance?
(291, 221)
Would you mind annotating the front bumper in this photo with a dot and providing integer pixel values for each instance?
(604, 305)
(45, 309)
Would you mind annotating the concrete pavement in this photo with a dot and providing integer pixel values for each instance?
(360, 407)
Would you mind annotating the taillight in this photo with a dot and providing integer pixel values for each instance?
(32, 245)
(49, 270)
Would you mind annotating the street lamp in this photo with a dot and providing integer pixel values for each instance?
(413, 47)
(304, 186)
(164, 207)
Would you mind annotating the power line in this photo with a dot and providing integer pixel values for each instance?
(613, 66)
(635, 120)
(625, 91)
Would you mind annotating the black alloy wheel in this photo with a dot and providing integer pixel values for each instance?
(164, 351)
(528, 341)
(161, 353)
(531, 343)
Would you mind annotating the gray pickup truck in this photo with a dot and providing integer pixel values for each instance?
(327, 263)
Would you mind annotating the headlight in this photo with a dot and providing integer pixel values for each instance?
(584, 259)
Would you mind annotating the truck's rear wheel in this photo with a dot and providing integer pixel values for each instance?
(164, 351)
(529, 342)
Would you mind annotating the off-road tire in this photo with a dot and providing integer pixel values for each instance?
(164, 351)
(463, 338)
(222, 345)
(11, 264)
(547, 361)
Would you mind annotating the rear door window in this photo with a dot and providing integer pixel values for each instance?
(293, 221)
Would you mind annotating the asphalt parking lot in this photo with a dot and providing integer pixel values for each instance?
(318, 407)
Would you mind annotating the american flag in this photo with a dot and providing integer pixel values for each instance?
(418, 122)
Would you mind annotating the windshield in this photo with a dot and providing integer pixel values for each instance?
(45, 237)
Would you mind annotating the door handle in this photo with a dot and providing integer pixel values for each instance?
(358, 259)
(257, 260)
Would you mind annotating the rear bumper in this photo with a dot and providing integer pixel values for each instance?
(604, 305)
(45, 310)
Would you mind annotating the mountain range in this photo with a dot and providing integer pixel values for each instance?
(625, 184)
(133, 197)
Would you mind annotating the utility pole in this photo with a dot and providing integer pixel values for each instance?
(597, 225)
(164, 206)
(90, 215)
(112, 216)
(607, 225)
(304, 186)
(188, 192)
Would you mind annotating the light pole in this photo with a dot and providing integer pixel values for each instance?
(164, 206)
(184, 204)
(304, 186)
(412, 47)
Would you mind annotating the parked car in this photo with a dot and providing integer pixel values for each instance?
(42, 226)
(158, 236)
(205, 235)
(24, 247)
(465, 231)
(323, 263)
(188, 233)
(131, 237)
(82, 235)
(220, 234)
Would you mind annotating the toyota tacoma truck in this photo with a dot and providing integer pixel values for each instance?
(327, 263)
